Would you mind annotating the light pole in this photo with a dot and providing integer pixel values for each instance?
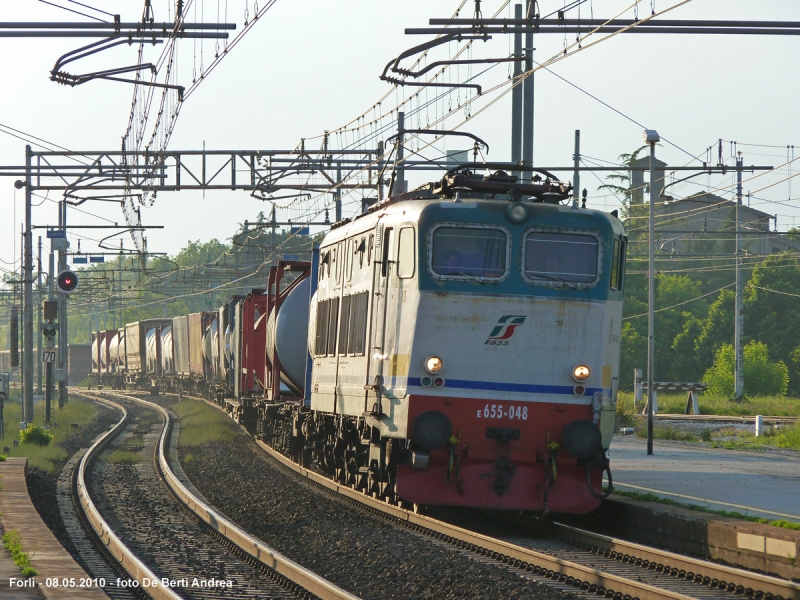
(27, 297)
(651, 137)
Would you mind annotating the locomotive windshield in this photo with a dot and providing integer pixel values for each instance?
(469, 251)
(561, 257)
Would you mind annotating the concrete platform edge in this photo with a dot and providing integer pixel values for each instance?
(766, 548)
(48, 556)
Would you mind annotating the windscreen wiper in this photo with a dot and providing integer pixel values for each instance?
(553, 278)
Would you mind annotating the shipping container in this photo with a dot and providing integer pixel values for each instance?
(135, 343)
(250, 347)
(100, 350)
(113, 352)
(96, 337)
(104, 349)
(180, 345)
(202, 339)
(167, 352)
(155, 349)
(227, 334)
(79, 360)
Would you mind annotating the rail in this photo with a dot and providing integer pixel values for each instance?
(269, 557)
(147, 580)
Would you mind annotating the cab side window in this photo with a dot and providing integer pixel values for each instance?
(406, 257)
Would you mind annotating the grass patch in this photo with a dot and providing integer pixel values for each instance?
(675, 404)
(124, 457)
(13, 543)
(667, 432)
(201, 423)
(785, 437)
(47, 458)
(648, 497)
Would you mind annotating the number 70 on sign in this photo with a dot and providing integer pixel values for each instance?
(48, 355)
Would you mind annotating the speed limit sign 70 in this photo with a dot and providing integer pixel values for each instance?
(48, 355)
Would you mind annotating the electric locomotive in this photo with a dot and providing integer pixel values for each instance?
(464, 344)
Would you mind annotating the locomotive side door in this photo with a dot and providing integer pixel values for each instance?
(381, 270)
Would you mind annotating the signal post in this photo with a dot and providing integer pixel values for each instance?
(49, 330)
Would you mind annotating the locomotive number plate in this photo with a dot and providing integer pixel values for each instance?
(500, 411)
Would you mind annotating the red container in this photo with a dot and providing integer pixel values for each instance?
(253, 337)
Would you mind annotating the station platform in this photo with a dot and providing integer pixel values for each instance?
(48, 556)
(762, 484)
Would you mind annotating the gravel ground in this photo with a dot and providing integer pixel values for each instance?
(363, 554)
(152, 524)
(42, 486)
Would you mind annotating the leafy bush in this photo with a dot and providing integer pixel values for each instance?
(705, 435)
(761, 377)
(35, 434)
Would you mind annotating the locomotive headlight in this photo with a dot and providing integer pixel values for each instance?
(434, 364)
(517, 212)
(581, 373)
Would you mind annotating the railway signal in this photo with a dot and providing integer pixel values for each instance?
(67, 282)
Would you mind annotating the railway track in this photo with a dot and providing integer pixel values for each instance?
(150, 532)
(581, 562)
(585, 561)
(768, 420)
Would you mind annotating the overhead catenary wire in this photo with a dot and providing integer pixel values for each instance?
(681, 303)
(517, 81)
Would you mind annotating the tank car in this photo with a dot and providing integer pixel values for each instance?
(464, 348)
(142, 368)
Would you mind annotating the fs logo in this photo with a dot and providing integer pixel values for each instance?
(504, 329)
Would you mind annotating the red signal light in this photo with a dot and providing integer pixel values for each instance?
(67, 282)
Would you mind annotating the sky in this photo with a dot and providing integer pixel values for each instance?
(308, 66)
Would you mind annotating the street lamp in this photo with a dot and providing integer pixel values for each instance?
(651, 137)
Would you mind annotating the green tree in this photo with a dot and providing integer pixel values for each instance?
(197, 253)
(772, 310)
(761, 377)
(676, 299)
(718, 327)
(685, 359)
(621, 183)
(633, 354)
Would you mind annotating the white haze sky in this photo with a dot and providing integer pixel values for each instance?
(313, 65)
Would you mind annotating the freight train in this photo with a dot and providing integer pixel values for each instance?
(453, 345)
(77, 361)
